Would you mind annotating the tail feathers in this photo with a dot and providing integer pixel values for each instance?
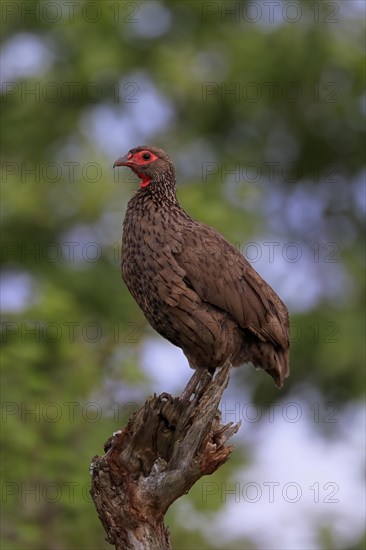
(274, 361)
(281, 369)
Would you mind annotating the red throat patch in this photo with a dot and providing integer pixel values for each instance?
(144, 181)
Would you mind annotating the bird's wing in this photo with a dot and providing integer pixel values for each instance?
(220, 275)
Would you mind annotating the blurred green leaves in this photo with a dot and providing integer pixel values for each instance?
(270, 93)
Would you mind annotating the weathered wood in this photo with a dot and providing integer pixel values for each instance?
(166, 447)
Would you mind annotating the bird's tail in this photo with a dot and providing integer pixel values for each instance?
(275, 361)
(281, 369)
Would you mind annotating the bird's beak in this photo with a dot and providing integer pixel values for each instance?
(122, 161)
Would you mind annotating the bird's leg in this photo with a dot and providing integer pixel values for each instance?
(192, 384)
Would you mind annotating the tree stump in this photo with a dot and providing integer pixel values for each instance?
(166, 447)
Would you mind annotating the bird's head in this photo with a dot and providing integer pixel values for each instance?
(151, 164)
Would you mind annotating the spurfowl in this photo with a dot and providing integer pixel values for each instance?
(194, 287)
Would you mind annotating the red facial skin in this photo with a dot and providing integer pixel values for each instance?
(134, 160)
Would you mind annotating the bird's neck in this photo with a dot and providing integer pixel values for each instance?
(161, 191)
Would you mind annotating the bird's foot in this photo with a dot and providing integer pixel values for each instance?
(193, 382)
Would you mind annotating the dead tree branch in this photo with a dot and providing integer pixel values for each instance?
(167, 446)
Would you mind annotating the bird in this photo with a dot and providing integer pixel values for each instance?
(195, 288)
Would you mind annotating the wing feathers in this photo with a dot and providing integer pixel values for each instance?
(225, 279)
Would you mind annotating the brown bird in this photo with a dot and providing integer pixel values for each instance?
(194, 287)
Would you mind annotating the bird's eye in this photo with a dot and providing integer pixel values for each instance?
(146, 156)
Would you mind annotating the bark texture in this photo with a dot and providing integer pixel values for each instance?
(166, 447)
